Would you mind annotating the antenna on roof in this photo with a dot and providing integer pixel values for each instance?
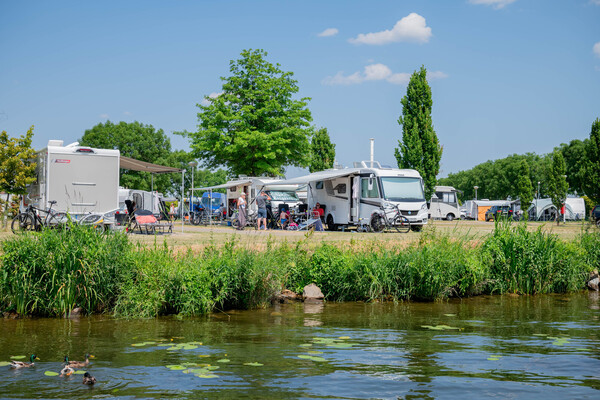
(372, 151)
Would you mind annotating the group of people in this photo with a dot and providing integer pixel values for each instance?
(261, 203)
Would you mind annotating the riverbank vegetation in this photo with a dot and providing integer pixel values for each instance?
(53, 272)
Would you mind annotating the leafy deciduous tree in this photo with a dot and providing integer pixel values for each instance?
(524, 187)
(322, 151)
(17, 166)
(591, 170)
(254, 126)
(419, 148)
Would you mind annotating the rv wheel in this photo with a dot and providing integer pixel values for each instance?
(416, 228)
(450, 217)
(330, 225)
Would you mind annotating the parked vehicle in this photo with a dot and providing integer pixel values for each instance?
(353, 196)
(596, 215)
(81, 180)
(444, 203)
(497, 212)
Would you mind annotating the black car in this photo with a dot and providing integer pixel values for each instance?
(498, 212)
(596, 215)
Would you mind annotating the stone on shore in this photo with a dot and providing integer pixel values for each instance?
(312, 293)
(594, 280)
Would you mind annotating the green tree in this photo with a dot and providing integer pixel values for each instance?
(419, 148)
(322, 151)
(557, 180)
(17, 165)
(206, 177)
(144, 143)
(524, 186)
(254, 126)
(574, 153)
(591, 169)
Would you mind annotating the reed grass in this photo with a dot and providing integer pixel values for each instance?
(51, 272)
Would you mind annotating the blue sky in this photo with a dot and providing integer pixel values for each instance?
(507, 76)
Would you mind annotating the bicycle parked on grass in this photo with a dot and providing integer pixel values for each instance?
(251, 220)
(380, 220)
(30, 219)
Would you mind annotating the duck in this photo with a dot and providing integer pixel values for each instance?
(78, 364)
(24, 364)
(88, 379)
(66, 371)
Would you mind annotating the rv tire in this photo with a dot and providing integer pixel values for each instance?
(416, 228)
(450, 217)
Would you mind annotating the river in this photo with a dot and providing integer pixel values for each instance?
(487, 346)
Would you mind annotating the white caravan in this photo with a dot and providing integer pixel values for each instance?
(252, 186)
(80, 179)
(444, 203)
(144, 200)
(351, 196)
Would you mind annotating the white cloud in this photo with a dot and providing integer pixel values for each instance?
(104, 116)
(596, 49)
(497, 4)
(411, 28)
(126, 113)
(377, 72)
(213, 95)
(596, 2)
(328, 32)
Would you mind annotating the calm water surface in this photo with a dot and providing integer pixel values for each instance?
(504, 347)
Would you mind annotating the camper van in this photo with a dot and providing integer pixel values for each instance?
(444, 203)
(351, 196)
(80, 179)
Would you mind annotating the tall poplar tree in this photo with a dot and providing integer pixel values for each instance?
(557, 181)
(322, 151)
(591, 169)
(419, 148)
(524, 186)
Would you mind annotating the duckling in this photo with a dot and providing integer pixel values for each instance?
(88, 379)
(79, 364)
(23, 364)
(66, 371)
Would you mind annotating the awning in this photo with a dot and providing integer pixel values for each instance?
(227, 185)
(137, 165)
(317, 176)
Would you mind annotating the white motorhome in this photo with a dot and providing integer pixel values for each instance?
(252, 186)
(351, 196)
(80, 179)
(444, 203)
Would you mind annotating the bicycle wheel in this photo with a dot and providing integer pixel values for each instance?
(377, 223)
(58, 220)
(22, 223)
(195, 219)
(402, 224)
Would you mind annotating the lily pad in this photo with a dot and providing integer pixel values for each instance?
(441, 327)
(306, 345)
(204, 355)
(344, 337)
(254, 364)
(313, 358)
(212, 367)
(17, 357)
(207, 376)
(450, 315)
(340, 345)
(314, 352)
(223, 360)
(142, 344)
(176, 367)
(189, 347)
(493, 358)
(165, 345)
(79, 372)
(540, 334)
(51, 373)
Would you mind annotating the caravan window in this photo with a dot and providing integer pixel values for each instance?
(365, 192)
(402, 189)
(319, 184)
(283, 195)
(450, 198)
(137, 198)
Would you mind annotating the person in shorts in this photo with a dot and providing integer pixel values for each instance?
(261, 203)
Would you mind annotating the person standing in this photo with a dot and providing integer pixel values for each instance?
(241, 203)
(261, 203)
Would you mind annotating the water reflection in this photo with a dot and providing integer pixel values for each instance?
(504, 347)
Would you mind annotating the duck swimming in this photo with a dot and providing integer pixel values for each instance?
(79, 364)
(88, 379)
(24, 364)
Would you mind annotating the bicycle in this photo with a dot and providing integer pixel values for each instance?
(381, 222)
(30, 220)
(250, 220)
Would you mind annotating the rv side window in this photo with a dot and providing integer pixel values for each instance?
(340, 188)
(449, 198)
(319, 185)
(137, 198)
(373, 193)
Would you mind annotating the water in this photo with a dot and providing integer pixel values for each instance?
(505, 347)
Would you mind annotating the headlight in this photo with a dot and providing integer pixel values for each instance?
(424, 206)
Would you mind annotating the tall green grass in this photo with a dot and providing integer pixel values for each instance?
(52, 272)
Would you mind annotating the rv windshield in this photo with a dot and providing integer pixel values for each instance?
(402, 189)
(283, 195)
(215, 201)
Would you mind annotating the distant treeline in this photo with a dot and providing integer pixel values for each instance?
(51, 273)
(497, 179)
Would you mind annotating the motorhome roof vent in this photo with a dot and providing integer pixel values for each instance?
(84, 150)
(57, 143)
(74, 144)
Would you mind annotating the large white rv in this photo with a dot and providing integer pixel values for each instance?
(444, 203)
(352, 196)
(80, 179)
